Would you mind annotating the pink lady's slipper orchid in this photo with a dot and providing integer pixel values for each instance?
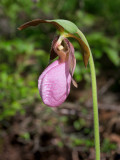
(55, 81)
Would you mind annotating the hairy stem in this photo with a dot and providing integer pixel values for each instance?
(95, 104)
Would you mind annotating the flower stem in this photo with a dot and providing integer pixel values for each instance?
(95, 108)
(95, 104)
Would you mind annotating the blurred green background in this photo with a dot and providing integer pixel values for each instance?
(25, 54)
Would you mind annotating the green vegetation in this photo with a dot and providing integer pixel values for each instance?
(24, 55)
(107, 146)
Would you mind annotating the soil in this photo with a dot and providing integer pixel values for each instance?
(41, 134)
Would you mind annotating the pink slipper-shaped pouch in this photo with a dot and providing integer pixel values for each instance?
(54, 83)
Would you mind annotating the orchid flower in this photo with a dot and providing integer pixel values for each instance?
(54, 83)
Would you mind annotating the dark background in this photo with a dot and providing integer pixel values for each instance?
(29, 130)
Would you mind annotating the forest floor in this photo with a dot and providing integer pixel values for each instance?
(53, 134)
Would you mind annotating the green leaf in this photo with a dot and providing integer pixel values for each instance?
(61, 24)
(113, 56)
(67, 25)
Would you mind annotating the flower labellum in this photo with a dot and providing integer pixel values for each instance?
(54, 83)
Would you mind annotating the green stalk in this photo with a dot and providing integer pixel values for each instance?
(95, 104)
(95, 108)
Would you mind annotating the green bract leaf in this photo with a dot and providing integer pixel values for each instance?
(61, 24)
(67, 25)
(38, 21)
(68, 29)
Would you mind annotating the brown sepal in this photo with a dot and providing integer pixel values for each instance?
(53, 54)
(84, 48)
